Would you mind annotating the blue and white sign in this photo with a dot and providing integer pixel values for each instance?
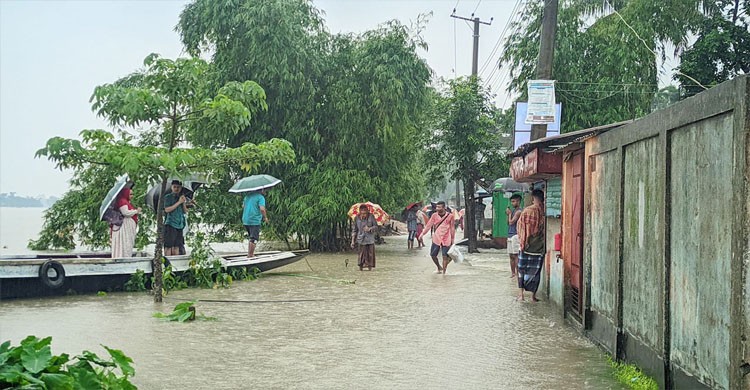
(522, 133)
(541, 109)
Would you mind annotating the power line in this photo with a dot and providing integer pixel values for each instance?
(477, 7)
(649, 47)
(500, 38)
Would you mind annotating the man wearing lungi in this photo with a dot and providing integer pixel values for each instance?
(531, 239)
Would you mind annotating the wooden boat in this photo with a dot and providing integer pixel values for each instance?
(264, 261)
(47, 274)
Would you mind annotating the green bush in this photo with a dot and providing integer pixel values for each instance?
(137, 281)
(31, 365)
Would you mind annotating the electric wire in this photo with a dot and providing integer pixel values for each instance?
(500, 38)
(477, 7)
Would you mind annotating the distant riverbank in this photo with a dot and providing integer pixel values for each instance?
(13, 200)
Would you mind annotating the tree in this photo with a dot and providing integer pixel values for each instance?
(722, 49)
(467, 137)
(605, 55)
(352, 105)
(168, 102)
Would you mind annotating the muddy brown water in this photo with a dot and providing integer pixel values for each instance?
(399, 326)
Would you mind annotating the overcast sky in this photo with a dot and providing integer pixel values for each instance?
(53, 54)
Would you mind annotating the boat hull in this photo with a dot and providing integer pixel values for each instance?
(89, 273)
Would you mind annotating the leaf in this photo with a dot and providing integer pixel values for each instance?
(84, 379)
(5, 347)
(122, 360)
(94, 358)
(57, 381)
(11, 374)
(35, 361)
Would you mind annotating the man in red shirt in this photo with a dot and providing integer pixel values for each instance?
(442, 239)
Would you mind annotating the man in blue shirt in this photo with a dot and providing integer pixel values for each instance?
(253, 213)
(513, 244)
(175, 208)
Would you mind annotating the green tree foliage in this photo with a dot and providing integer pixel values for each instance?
(352, 106)
(467, 139)
(722, 49)
(605, 54)
(169, 101)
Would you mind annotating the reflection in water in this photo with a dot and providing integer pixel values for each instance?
(399, 326)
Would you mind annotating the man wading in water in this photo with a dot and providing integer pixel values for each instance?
(531, 239)
(364, 235)
(442, 238)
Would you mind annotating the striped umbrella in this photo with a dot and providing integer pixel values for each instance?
(381, 217)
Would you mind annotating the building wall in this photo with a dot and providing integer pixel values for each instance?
(642, 261)
(555, 278)
(701, 246)
(667, 217)
(601, 244)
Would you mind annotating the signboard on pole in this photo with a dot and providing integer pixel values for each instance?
(522, 131)
(541, 109)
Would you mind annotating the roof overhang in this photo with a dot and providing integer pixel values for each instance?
(558, 142)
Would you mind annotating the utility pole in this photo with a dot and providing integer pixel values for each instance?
(475, 54)
(546, 55)
(470, 227)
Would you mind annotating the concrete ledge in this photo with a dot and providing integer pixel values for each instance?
(645, 357)
(603, 332)
(682, 380)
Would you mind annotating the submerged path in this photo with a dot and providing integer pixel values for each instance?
(399, 326)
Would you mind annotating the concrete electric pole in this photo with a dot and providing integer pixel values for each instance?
(469, 230)
(546, 55)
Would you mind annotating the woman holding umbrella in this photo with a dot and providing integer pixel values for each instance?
(123, 236)
(364, 235)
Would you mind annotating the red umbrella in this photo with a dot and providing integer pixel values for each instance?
(381, 217)
(412, 205)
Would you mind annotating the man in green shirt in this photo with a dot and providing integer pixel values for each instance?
(175, 208)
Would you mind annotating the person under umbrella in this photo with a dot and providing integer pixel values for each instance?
(254, 205)
(253, 213)
(123, 237)
(363, 235)
(175, 209)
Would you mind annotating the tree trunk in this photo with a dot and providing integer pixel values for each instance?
(157, 285)
(470, 226)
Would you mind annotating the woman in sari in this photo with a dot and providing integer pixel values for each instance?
(364, 236)
(123, 237)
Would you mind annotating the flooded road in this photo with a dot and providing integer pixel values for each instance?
(399, 326)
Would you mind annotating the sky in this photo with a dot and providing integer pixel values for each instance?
(53, 54)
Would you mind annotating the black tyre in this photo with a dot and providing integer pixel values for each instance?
(54, 281)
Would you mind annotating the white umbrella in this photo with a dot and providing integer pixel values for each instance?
(254, 183)
(121, 183)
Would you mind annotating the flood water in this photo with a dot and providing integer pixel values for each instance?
(399, 326)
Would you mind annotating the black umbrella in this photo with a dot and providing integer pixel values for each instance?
(188, 190)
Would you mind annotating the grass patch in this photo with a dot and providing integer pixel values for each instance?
(632, 376)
